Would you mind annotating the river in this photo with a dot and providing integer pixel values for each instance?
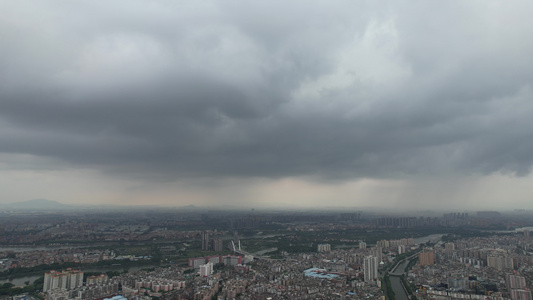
(396, 282)
(399, 292)
(21, 281)
(428, 238)
(519, 229)
(262, 252)
(24, 248)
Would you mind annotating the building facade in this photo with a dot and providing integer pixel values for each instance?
(64, 280)
(370, 267)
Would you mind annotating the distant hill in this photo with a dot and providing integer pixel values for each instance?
(37, 204)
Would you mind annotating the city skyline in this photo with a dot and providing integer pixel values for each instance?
(269, 105)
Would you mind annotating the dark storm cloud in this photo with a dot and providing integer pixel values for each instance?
(170, 89)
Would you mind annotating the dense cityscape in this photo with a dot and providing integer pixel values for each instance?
(194, 253)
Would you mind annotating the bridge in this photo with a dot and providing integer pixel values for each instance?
(238, 250)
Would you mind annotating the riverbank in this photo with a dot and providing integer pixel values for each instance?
(22, 278)
(399, 291)
(396, 273)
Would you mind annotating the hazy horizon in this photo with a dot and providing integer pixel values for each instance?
(387, 104)
(53, 206)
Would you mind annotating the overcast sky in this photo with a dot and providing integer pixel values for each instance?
(268, 103)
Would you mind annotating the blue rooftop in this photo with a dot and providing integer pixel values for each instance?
(319, 273)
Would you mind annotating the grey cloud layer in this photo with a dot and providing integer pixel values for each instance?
(168, 89)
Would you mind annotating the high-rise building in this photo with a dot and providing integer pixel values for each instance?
(362, 245)
(196, 262)
(206, 239)
(426, 257)
(370, 267)
(232, 260)
(65, 280)
(206, 270)
(377, 252)
(520, 294)
(96, 279)
(515, 282)
(499, 261)
(383, 244)
(215, 259)
(449, 248)
(402, 249)
(324, 248)
(75, 279)
(218, 245)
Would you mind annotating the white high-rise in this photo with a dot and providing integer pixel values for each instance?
(377, 252)
(65, 280)
(324, 247)
(370, 267)
(362, 245)
(206, 270)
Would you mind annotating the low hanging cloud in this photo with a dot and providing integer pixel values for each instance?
(170, 90)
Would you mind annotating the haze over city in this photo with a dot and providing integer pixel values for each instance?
(386, 104)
